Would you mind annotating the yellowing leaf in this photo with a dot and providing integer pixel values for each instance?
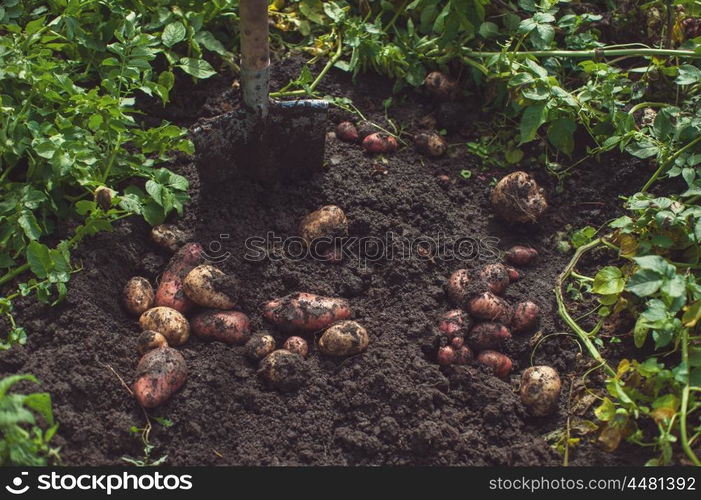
(692, 314)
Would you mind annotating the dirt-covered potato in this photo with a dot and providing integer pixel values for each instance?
(540, 390)
(486, 336)
(500, 363)
(259, 346)
(168, 236)
(283, 370)
(518, 198)
(230, 327)
(496, 276)
(168, 322)
(306, 312)
(159, 374)
(430, 144)
(138, 295)
(463, 355)
(526, 316)
(327, 222)
(297, 345)
(446, 355)
(365, 129)
(345, 338)
(487, 306)
(459, 287)
(170, 290)
(103, 197)
(208, 286)
(514, 275)
(454, 323)
(379, 142)
(440, 86)
(454, 354)
(521, 256)
(347, 132)
(149, 340)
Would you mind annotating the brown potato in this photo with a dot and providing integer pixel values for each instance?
(297, 345)
(379, 142)
(283, 370)
(327, 222)
(207, 286)
(459, 289)
(496, 277)
(259, 346)
(518, 198)
(149, 340)
(230, 327)
(454, 323)
(138, 295)
(306, 311)
(168, 236)
(103, 197)
(159, 375)
(521, 256)
(347, 132)
(485, 336)
(168, 322)
(498, 362)
(488, 306)
(345, 338)
(526, 316)
(430, 144)
(514, 275)
(463, 355)
(540, 390)
(170, 290)
(440, 86)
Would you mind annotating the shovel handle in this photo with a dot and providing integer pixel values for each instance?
(255, 54)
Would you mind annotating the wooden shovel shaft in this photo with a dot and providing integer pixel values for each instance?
(255, 54)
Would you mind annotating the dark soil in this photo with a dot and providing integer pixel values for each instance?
(391, 405)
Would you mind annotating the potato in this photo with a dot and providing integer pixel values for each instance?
(514, 275)
(485, 336)
(344, 339)
(440, 86)
(327, 222)
(168, 322)
(463, 355)
(306, 312)
(518, 198)
(498, 362)
(488, 306)
(347, 132)
(138, 295)
(170, 290)
(454, 323)
(149, 340)
(459, 290)
(103, 197)
(207, 286)
(230, 327)
(496, 277)
(283, 370)
(457, 342)
(259, 346)
(521, 256)
(159, 374)
(430, 144)
(365, 129)
(297, 345)
(540, 390)
(526, 316)
(168, 236)
(379, 142)
(446, 355)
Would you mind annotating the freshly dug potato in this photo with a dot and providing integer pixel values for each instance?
(347, 132)
(259, 346)
(297, 345)
(440, 86)
(500, 363)
(526, 316)
(230, 327)
(170, 290)
(168, 236)
(521, 256)
(138, 295)
(103, 197)
(488, 306)
(514, 275)
(380, 142)
(207, 286)
(344, 339)
(496, 276)
(446, 355)
(159, 374)
(149, 340)
(306, 311)
(327, 222)
(459, 287)
(168, 322)
(518, 198)
(463, 355)
(457, 342)
(430, 144)
(540, 390)
(365, 129)
(283, 370)
(486, 336)
(454, 323)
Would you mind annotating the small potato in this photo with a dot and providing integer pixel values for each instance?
(430, 144)
(170, 290)
(327, 222)
(459, 290)
(540, 390)
(485, 336)
(457, 342)
(168, 236)
(514, 275)
(297, 345)
(149, 340)
(230, 327)
(500, 363)
(159, 375)
(440, 86)
(207, 286)
(103, 197)
(380, 142)
(463, 355)
(521, 256)
(496, 276)
(259, 346)
(347, 132)
(526, 316)
(168, 322)
(283, 370)
(518, 198)
(138, 295)
(454, 323)
(344, 339)
(446, 355)
(488, 306)
(306, 312)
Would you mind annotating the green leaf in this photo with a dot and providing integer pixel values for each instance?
(209, 42)
(645, 282)
(199, 68)
(688, 75)
(655, 263)
(29, 225)
(533, 117)
(488, 30)
(608, 281)
(561, 134)
(173, 33)
(39, 259)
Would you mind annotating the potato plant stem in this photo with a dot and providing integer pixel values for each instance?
(685, 402)
(664, 165)
(14, 273)
(602, 52)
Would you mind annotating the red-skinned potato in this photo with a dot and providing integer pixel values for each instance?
(168, 236)
(345, 338)
(446, 355)
(283, 370)
(485, 336)
(521, 256)
(259, 346)
(457, 342)
(500, 363)
(159, 374)
(496, 276)
(230, 327)
(518, 198)
(454, 323)
(138, 295)
(430, 144)
(459, 287)
(347, 132)
(208, 286)
(487, 306)
(440, 86)
(297, 345)
(168, 322)
(463, 355)
(149, 340)
(526, 316)
(540, 390)
(170, 290)
(379, 142)
(514, 275)
(306, 312)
